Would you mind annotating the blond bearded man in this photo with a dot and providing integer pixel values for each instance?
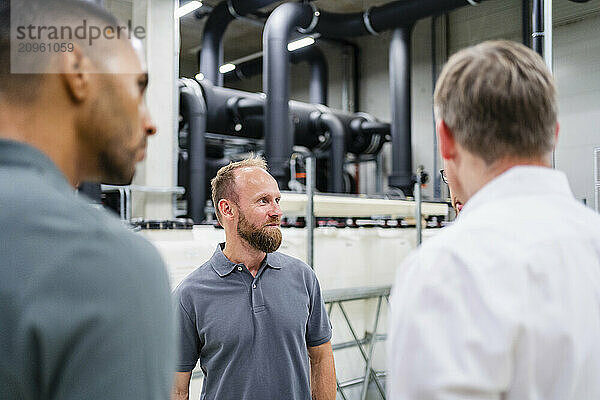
(252, 316)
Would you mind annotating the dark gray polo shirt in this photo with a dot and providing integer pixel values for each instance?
(251, 334)
(85, 305)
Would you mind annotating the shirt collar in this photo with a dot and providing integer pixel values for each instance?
(14, 153)
(520, 181)
(223, 266)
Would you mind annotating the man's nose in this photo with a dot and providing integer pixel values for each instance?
(147, 123)
(276, 211)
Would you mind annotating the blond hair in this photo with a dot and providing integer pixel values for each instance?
(499, 100)
(223, 184)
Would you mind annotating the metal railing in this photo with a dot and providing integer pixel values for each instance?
(366, 344)
(125, 195)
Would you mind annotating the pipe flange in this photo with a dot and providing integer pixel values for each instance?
(313, 22)
(374, 145)
(367, 22)
(473, 2)
(232, 10)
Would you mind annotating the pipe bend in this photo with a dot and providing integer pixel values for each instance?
(338, 150)
(284, 19)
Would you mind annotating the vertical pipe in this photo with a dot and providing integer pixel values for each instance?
(278, 126)
(192, 104)
(418, 201)
(310, 212)
(337, 131)
(212, 42)
(437, 190)
(319, 76)
(537, 30)
(400, 93)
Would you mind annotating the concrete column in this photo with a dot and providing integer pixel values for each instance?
(162, 54)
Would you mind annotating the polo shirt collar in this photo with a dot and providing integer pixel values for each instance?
(223, 266)
(13, 153)
(520, 181)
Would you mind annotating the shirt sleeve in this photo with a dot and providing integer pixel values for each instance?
(446, 341)
(189, 343)
(318, 329)
(99, 323)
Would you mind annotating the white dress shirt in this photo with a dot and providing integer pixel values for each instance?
(505, 302)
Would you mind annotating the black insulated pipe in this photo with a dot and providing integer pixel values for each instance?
(537, 27)
(211, 55)
(317, 63)
(279, 137)
(330, 123)
(193, 109)
(400, 99)
(319, 74)
(385, 17)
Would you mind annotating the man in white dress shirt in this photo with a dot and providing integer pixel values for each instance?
(505, 303)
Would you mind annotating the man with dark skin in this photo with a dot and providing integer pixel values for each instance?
(279, 346)
(85, 307)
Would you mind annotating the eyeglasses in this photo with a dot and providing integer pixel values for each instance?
(444, 177)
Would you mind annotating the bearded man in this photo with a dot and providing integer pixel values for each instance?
(252, 316)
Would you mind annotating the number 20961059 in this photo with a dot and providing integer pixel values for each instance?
(34, 47)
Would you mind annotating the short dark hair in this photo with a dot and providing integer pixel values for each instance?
(499, 100)
(22, 88)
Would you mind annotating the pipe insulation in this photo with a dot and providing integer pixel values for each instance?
(211, 55)
(317, 63)
(278, 126)
(400, 107)
(388, 16)
(193, 110)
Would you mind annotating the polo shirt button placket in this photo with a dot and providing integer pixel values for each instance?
(254, 286)
(239, 269)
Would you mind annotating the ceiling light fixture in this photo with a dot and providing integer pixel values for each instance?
(188, 8)
(225, 68)
(300, 43)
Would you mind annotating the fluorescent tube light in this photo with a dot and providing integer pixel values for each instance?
(188, 8)
(225, 68)
(300, 43)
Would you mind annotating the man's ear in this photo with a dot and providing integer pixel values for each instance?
(556, 135)
(76, 74)
(226, 209)
(446, 141)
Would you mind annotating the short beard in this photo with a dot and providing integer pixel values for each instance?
(263, 239)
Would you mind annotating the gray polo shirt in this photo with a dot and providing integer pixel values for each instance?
(251, 333)
(85, 305)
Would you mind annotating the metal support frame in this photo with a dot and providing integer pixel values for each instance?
(418, 203)
(310, 204)
(339, 296)
(125, 195)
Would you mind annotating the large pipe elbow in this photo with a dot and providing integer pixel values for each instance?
(194, 107)
(211, 54)
(334, 126)
(278, 127)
